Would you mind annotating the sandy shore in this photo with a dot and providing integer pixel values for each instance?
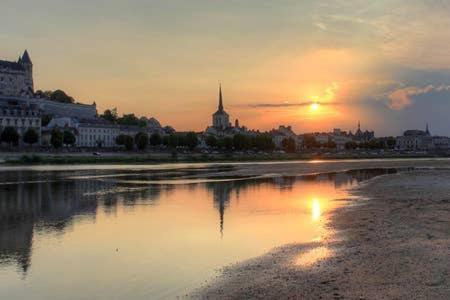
(395, 245)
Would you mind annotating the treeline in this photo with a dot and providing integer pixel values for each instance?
(57, 96)
(141, 140)
(310, 142)
(112, 116)
(10, 136)
(241, 142)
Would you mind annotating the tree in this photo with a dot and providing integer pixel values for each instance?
(141, 140)
(45, 119)
(351, 145)
(330, 144)
(309, 141)
(155, 139)
(30, 136)
(10, 136)
(227, 143)
(110, 115)
(69, 138)
(61, 96)
(57, 138)
(289, 145)
(241, 142)
(120, 140)
(128, 142)
(211, 141)
(172, 141)
(131, 119)
(391, 142)
(191, 140)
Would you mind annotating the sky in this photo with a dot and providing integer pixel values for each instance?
(385, 62)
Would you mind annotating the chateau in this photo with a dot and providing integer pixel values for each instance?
(16, 78)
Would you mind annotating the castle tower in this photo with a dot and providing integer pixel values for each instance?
(26, 63)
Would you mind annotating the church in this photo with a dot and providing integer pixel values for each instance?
(16, 78)
(221, 125)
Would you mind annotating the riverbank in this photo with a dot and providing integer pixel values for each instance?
(394, 246)
(18, 158)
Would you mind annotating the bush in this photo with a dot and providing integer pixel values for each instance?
(128, 142)
(289, 145)
(68, 138)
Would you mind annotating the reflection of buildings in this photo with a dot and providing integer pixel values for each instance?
(221, 197)
(48, 202)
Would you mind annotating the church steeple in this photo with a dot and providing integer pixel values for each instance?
(220, 98)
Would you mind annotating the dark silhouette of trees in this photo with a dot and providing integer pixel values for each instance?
(110, 115)
(309, 141)
(69, 138)
(289, 145)
(30, 136)
(128, 142)
(191, 140)
(141, 140)
(211, 141)
(351, 145)
(10, 136)
(57, 96)
(227, 143)
(155, 139)
(57, 139)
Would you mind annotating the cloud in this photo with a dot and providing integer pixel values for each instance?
(402, 98)
(295, 104)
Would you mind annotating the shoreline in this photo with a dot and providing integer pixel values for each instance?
(40, 158)
(395, 245)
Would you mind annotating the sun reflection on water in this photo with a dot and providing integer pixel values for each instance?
(316, 210)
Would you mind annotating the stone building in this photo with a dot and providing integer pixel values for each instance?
(419, 140)
(16, 78)
(20, 117)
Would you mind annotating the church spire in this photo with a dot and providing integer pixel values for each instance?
(220, 98)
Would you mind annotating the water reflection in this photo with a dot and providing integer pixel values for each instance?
(153, 219)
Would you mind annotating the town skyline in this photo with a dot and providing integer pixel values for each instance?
(164, 62)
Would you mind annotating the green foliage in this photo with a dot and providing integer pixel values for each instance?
(131, 120)
(120, 140)
(155, 139)
(110, 115)
(228, 143)
(211, 141)
(289, 145)
(45, 119)
(128, 142)
(141, 140)
(57, 139)
(390, 142)
(57, 96)
(309, 141)
(30, 136)
(241, 142)
(351, 145)
(69, 138)
(10, 136)
(191, 140)
(172, 140)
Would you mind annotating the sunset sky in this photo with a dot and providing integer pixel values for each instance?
(386, 63)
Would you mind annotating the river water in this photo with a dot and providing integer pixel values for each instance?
(122, 232)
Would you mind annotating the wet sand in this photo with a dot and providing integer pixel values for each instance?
(391, 242)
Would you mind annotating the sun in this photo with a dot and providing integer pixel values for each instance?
(314, 106)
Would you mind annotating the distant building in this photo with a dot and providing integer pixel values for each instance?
(20, 117)
(16, 78)
(419, 140)
(362, 136)
(221, 120)
(221, 125)
(282, 133)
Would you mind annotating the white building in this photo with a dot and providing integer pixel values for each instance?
(419, 140)
(20, 117)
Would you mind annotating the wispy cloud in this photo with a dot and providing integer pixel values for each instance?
(294, 104)
(402, 98)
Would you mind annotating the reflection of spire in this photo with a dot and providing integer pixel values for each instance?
(221, 196)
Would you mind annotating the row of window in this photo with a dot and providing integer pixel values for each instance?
(20, 122)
